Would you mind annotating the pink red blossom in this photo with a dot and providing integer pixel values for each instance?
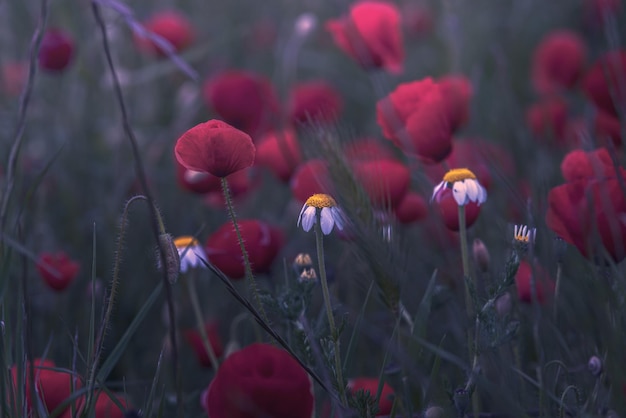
(580, 165)
(194, 339)
(385, 181)
(412, 208)
(57, 270)
(315, 101)
(605, 82)
(170, 25)
(543, 283)
(370, 384)
(56, 51)
(547, 120)
(310, 178)
(448, 208)
(280, 153)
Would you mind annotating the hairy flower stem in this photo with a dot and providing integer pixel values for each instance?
(246, 260)
(190, 287)
(472, 350)
(319, 239)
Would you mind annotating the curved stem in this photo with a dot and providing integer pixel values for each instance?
(319, 239)
(246, 260)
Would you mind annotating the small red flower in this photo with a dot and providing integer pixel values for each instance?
(280, 153)
(215, 147)
(57, 270)
(544, 285)
(609, 94)
(370, 384)
(262, 242)
(580, 165)
(243, 99)
(415, 117)
(385, 181)
(314, 101)
(194, 339)
(371, 35)
(448, 208)
(457, 92)
(558, 62)
(548, 120)
(412, 208)
(56, 51)
(310, 178)
(259, 381)
(170, 25)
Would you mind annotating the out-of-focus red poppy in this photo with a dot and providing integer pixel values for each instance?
(448, 208)
(243, 99)
(385, 181)
(415, 117)
(259, 381)
(370, 384)
(310, 178)
(280, 153)
(56, 50)
(262, 242)
(586, 213)
(57, 270)
(367, 149)
(412, 208)
(106, 406)
(558, 62)
(607, 128)
(543, 287)
(240, 184)
(216, 148)
(170, 25)
(579, 165)
(418, 19)
(547, 120)
(457, 92)
(314, 101)
(53, 386)
(605, 82)
(371, 35)
(194, 339)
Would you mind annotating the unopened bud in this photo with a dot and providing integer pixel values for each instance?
(302, 262)
(434, 412)
(308, 275)
(461, 400)
(504, 304)
(594, 365)
(172, 259)
(481, 255)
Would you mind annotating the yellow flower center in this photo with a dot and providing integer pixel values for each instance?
(522, 238)
(321, 200)
(458, 174)
(185, 241)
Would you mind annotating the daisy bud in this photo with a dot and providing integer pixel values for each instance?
(595, 366)
(302, 262)
(172, 259)
(481, 255)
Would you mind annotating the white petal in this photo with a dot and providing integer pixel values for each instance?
(515, 231)
(473, 189)
(327, 220)
(439, 187)
(338, 217)
(308, 218)
(301, 212)
(482, 195)
(184, 265)
(460, 193)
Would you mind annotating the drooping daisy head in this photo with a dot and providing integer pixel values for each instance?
(330, 214)
(190, 252)
(465, 187)
(523, 234)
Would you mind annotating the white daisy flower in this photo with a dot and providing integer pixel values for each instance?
(465, 187)
(330, 214)
(190, 252)
(524, 234)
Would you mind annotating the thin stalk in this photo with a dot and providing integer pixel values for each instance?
(246, 260)
(319, 239)
(190, 286)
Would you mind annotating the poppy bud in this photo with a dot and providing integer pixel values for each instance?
(56, 51)
(481, 255)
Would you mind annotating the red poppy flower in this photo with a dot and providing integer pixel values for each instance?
(262, 242)
(558, 62)
(412, 208)
(57, 270)
(609, 94)
(106, 406)
(215, 147)
(579, 165)
(280, 153)
(315, 101)
(260, 381)
(544, 285)
(608, 128)
(367, 149)
(371, 35)
(170, 25)
(415, 117)
(385, 181)
(53, 386)
(243, 99)
(586, 213)
(448, 208)
(194, 339)
(457, 93)
(547, 120)
(310, 178)
(56, 51)
(369, 384)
